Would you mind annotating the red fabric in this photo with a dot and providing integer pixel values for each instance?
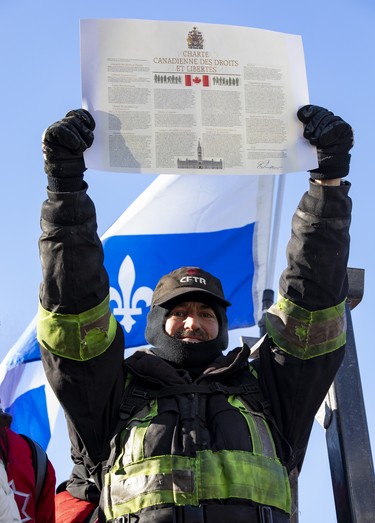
(70, 509)
(22, 480)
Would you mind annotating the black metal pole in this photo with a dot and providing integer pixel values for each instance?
(348, 442)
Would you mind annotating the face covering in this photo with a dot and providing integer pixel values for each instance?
(181, 353)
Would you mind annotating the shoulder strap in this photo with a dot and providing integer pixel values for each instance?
(132, 401)
(258, 402)
(254, 395)
(40, 464)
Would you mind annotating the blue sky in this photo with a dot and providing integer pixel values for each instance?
(40, 82)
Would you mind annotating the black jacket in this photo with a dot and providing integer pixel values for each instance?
(74, 281)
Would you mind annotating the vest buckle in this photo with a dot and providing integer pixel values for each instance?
(127, 519)
(217, 387)
(265, 515)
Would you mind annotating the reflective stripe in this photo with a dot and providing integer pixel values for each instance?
(181, 480)
(77, 336)
(268, 447)
(253, 429)
(261, 436)
(306, 334)
(253, 371)
(134, 434)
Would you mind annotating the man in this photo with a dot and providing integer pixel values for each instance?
(204, 437)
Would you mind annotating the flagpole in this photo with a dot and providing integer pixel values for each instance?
(275, 232)
(268, 299)
(268, 292)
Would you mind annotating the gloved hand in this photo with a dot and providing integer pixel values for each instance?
(333, 138)
(63, 144)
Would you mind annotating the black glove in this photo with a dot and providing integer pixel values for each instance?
(333, 138)
(63, 144)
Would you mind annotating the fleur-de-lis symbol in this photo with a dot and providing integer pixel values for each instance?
(127, 304)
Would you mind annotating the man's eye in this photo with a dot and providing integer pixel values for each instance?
(178, 314)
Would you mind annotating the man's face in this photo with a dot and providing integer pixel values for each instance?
(192, 322)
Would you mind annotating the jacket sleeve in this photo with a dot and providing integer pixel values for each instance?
(307, 326)
(81, 343)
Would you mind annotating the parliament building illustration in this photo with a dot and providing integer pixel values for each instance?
(199, 162)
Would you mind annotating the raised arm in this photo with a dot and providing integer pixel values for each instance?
(307, 327)
(81, 343)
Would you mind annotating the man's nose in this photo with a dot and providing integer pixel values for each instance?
(191, 322)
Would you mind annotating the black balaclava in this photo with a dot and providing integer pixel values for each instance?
(186, 284)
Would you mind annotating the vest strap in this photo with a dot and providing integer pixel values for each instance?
(191, 388)
(206, 514)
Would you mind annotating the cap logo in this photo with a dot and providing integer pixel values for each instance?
(193, 279)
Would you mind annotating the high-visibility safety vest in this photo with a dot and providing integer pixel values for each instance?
(135, 481)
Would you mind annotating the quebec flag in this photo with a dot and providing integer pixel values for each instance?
(24, 390)
(220, 223)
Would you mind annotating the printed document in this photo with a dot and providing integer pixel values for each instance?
(193, 98)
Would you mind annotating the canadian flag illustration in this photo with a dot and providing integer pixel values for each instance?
(189, 80)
